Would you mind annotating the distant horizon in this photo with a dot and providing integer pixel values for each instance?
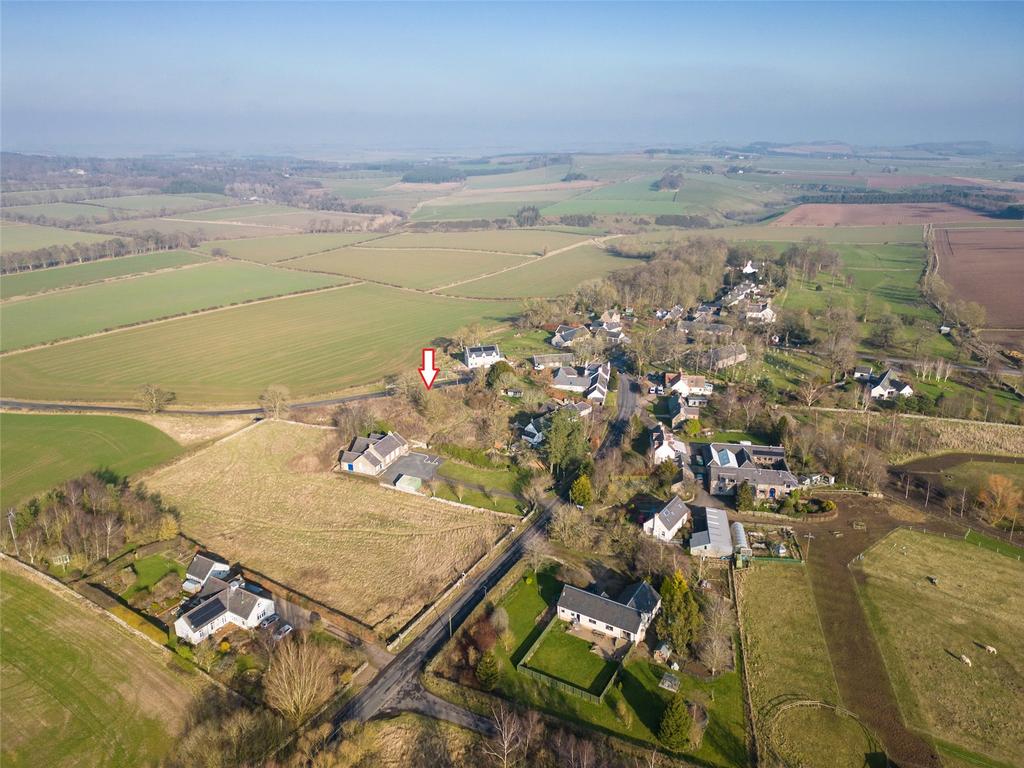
(153, 77)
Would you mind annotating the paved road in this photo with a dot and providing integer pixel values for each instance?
(25, 405)
(628, 397)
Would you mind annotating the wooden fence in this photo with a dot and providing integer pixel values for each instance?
(569, 688)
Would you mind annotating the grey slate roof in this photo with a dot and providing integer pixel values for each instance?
(201, 566)
(602, 609)
(673, 512)
(557, 358)
(487, 350)
(237, 597)
(640, 596)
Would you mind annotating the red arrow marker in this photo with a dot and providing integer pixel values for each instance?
(428, 371)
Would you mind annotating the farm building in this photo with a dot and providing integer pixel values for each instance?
(203, 567)
(566, 335)
(667, 521)
(763, 467)
(483, 357)
(720, 358)
(711, 537)
(222, 603)
(703, 328)
(372, 455)
(626, 618)
(554, 360)
(862, 373)
(739, 540)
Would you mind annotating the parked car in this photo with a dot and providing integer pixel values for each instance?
(661, 390)
(652, 391)
(270, 621)
(283, 631)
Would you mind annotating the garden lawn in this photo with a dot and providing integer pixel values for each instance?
(149, 571)
(922, 628)
(568, 658)
(312, 344)
(80, 691)
(40, 451)
(105, 306)
(54, 278)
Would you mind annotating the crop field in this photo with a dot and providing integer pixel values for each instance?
(210, 230)
(874, 215)
(526, 241)
(923, 628)
(452, 209)
(986, 266)
(549, 276)
(268, 250)
(158, 203)
(313, 344)
(266, 499)
(55, 195)
(772, 233)
(408, 267)
(241, 212)
(299, 220)
(779, 616)
(55, 278)
(61, 211)
(79, 691)
(102, 306)
(28, 237)
(39, 451)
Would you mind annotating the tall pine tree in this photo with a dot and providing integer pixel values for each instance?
(679, 620)
(676, 724)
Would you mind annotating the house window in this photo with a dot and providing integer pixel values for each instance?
(609, 627)
(592, 621)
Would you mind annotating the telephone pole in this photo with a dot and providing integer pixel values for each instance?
(10, 522)
(807, 554)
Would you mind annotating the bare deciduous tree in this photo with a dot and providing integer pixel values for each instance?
(153, 399)
(274, 401)
(298, 681)
(716, 640)
(505, 749)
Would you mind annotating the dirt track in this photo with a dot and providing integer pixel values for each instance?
(860, 671)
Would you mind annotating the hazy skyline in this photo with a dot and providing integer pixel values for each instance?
(115, 77)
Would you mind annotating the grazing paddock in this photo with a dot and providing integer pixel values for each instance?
(40, 451)
(30, 237)
(526, 241)
(268, 250)
(103, 306)
(408, 267)
(449, 209)
(986, 266)
(923, 628)
(265, 497)
(313, 344)
(549, 276)
(208, 230)
(786, 659)
(61, 211)
(875, 214)
(80, 691)
(55, 278)
(242, 212)
(160, 203)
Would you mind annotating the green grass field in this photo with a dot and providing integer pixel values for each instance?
(209, 230)
(777, 234)
(26, 283)
(62, 211)
(29, 237)
(786, 658)
(56, 195)
(158, 203)
(922, 628)
(526, 241)
(39, 451)
(242, 212)
(408, 268)
(78, 690)
(974, 474)
(550, 276)
(268, 250)
(465, 208)
(94, 308)
(313, 344)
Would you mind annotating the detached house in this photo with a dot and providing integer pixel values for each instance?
(566, 335)
(591, 380)
(667, 521)
(626, 618)
(222, 603)
(609, 327)
(758, 313)
(372, 455)
(887, 386)
(687, 385)
(202, 568)
(665, 446)
(763, 467)
(533, 432)
(681, 410)
(483, 357)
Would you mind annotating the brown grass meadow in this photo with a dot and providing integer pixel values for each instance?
(265, 498)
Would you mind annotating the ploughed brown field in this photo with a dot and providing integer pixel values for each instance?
(868, 215)
(986, 266)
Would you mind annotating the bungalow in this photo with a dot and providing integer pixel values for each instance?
(711, 536)
(887, 386)
(203, 567)
(721, 358)
(680, 411)
(665, 523)
(666, 447)
(555, 360)
(566, 335)
(591, 380)
(222, 603)
(626, 618)
(686, 384)
(763, 467)
(483, 357)
(372, 455)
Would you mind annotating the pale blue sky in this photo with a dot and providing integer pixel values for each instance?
(278, 76)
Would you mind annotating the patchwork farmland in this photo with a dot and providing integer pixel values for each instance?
(314, 344)
(875, 215)
(268, 250)
(15, 237)
(533, 242)
(265, 497)
(986, 266)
